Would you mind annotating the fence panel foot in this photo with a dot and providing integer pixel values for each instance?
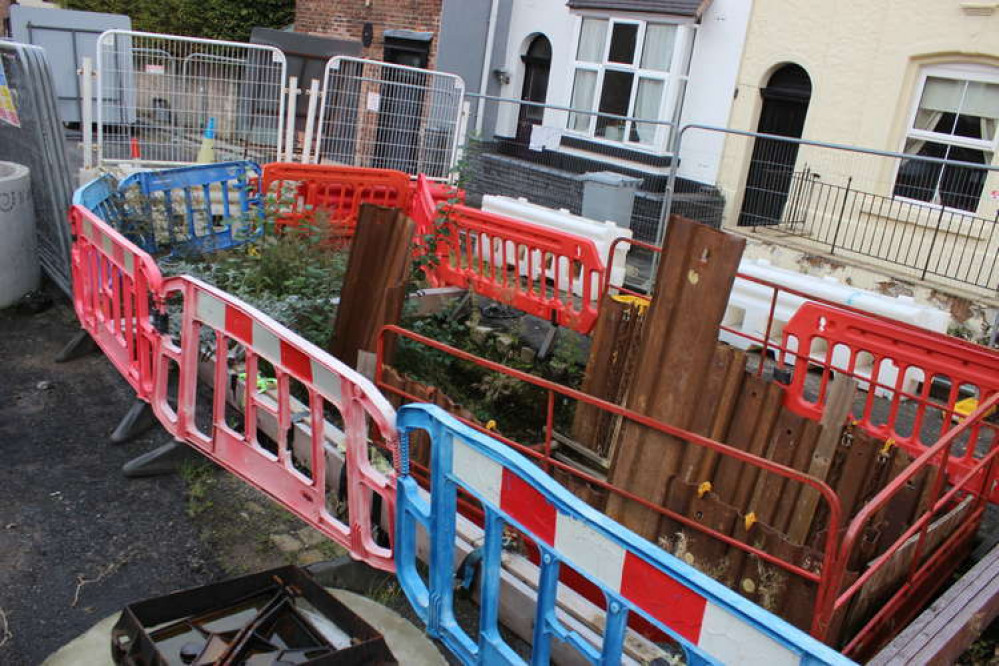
(136, 421)
(81, 345)
(165, 459)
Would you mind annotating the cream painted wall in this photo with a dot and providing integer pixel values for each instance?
(862, 57)
(864, 60)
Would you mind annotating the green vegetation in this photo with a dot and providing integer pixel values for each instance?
(214, 19)
(294, 277)
(518, 408)
(199, 476)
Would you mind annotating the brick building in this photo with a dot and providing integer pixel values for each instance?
(415, 23)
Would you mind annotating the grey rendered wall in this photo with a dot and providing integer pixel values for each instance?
(67, 37)
(462, 39)
(463, 34)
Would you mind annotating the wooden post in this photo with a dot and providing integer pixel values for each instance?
(374, 286)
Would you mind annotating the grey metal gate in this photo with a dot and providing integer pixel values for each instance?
(36, 140)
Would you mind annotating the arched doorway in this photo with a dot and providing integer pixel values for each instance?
(537, 64)
(771, 170)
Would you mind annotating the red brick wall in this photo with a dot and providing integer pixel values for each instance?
(4, 15)
(344, 19)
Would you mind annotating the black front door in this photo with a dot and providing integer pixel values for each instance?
(771, 169)
(537, 65)
(401, 107)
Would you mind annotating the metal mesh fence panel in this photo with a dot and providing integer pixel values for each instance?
(37, 141)
(159, 93)
(926, 217)
(381, 115)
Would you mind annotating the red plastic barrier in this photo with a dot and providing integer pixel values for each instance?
(297, 191)
(308, 386)
(114, 283)
(906, 357)
(542, 271)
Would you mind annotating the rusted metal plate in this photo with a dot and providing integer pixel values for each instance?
(725, 382)
(700, 550)
(374, 284)
(791, 495)
(613, 353)
(757, 402)
(681, 331)
(770, 586)
(859, 461)
(769, 492)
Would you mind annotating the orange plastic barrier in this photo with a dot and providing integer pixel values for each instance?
(542, 271)
(913, 357)
(297, 192)
(337, 407)
(114, 283)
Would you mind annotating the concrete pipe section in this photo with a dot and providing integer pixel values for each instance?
(19, 267)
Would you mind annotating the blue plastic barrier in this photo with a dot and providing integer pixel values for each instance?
(101, 197)
(199, 196)
(712, 624)
(210, 221)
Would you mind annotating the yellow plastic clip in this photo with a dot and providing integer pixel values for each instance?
(253, 250)
(889, 443)
(703, 489)
(750, 520)
(491, 424)
(640, 302)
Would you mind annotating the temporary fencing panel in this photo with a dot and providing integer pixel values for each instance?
(933, 362)
(114, 285)
(222, 330)
(159, 93)
(713, 625)
(193, 209)
(329, 195)
(388, 116)
(31, 134)
(545, 272)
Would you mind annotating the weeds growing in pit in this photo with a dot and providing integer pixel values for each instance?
(199, 477)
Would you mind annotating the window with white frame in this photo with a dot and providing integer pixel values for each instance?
(622, 68)
(954, 119)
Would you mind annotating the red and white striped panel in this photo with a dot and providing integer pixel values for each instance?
(715, 630)
(107, 245)
(251, 333)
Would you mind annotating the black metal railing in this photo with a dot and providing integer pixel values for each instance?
(929, 240)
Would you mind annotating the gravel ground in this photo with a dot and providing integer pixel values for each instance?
(67, 514)
(77, 540)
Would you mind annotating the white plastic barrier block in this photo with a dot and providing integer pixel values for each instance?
(601, 233)
(750, 302)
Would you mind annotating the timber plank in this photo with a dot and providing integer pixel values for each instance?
(375, 281)
(792, 490)
(951, 623)
(842, 391)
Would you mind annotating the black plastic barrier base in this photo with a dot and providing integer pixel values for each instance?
(81, 345)
(138, 420)
(165, 459)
